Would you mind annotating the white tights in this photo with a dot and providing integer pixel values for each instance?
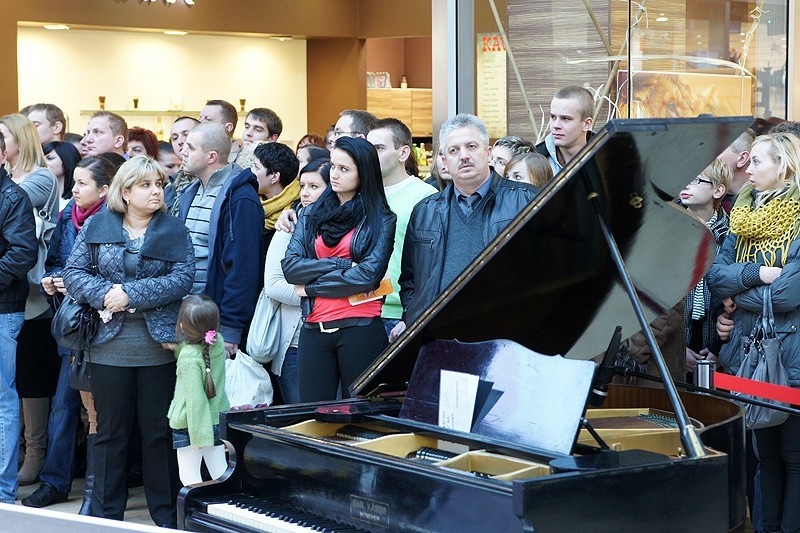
(190, 457)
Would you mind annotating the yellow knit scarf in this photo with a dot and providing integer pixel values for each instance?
(275, 205)
(765, 233)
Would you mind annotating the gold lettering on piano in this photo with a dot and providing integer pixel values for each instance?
(369, 510)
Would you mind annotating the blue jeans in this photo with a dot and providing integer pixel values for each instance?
(61, 428)
(389, 324)
(10, 324)
(288, 381)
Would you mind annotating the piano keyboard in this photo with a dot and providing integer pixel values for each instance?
(273, 515)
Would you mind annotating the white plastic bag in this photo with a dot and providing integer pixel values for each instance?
(246, 382)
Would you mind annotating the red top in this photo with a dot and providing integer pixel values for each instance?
(327, 309)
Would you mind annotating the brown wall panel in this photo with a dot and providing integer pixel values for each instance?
(419, 61)
(393, 18)
(387, 55)
(331, 18)
(336, 80)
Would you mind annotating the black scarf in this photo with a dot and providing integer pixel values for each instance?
(332, 221)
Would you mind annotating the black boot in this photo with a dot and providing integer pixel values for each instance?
(86, 506)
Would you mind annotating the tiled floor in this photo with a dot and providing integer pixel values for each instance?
(136, 511)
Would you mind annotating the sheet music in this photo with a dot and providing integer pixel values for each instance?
(457, 394)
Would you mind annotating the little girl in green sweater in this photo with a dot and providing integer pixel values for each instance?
(199, 391)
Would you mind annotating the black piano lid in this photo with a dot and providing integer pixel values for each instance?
(548, 282)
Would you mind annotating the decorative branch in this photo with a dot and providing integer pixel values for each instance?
(756, 14)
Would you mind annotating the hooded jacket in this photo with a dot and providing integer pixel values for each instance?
(548, 149)
(235, 248)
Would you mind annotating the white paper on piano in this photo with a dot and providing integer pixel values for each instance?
(457, 394)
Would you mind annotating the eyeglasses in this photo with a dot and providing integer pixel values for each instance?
(698, 180)
(337, 134)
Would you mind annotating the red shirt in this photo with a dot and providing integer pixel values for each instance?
(327, 309)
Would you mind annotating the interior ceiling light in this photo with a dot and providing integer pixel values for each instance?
(173, 32)
(56, 27)
(282, 38)
(662, 19)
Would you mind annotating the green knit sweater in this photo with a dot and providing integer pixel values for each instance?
(190, 408)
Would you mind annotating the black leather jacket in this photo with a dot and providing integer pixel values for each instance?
(426, 238)
(19, 249)
(336, 277)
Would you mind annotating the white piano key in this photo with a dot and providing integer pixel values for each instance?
(252, 519)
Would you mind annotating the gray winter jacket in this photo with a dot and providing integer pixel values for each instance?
(728, 279)
(164, 274)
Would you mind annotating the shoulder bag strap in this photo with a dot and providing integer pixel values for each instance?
(768, 318)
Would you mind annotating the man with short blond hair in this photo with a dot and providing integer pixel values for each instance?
(106, 132)
(221, 112)
(570, 125)
(49, 120)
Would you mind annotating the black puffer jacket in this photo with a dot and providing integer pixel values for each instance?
(19, 248)
(336, 277)
(426, 238)
(164, 274)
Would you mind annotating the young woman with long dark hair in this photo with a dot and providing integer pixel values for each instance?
(340, 249)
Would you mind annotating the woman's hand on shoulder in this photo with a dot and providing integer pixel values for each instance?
(769, 274)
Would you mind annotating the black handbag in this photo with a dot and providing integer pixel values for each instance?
(763, 352)
(79, 374)
(75, 325)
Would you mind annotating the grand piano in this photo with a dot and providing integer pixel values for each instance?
(603, 246)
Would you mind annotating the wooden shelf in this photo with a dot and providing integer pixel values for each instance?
(412, 106)
(151, 112)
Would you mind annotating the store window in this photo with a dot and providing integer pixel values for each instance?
(660, 58)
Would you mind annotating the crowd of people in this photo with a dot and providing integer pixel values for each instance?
(172, 242)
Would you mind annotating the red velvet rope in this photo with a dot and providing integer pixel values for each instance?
(757, 388)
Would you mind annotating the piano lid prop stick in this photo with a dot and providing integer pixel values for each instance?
(689, 438)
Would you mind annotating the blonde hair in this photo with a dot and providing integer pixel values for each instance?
(133, 171)
(718, 173)
(31, 155)
(784, 150)
(538, 167)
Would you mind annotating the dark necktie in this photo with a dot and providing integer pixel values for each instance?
(469, 202)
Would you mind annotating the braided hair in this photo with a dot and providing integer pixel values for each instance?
(198, 322)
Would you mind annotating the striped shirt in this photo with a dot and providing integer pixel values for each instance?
(197, 220)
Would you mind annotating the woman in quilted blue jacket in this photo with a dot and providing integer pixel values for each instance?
(133, 263)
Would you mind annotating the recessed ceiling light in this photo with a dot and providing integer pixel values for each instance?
(172, 32)
(662, 19)
(56, 27)
(699, 42)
